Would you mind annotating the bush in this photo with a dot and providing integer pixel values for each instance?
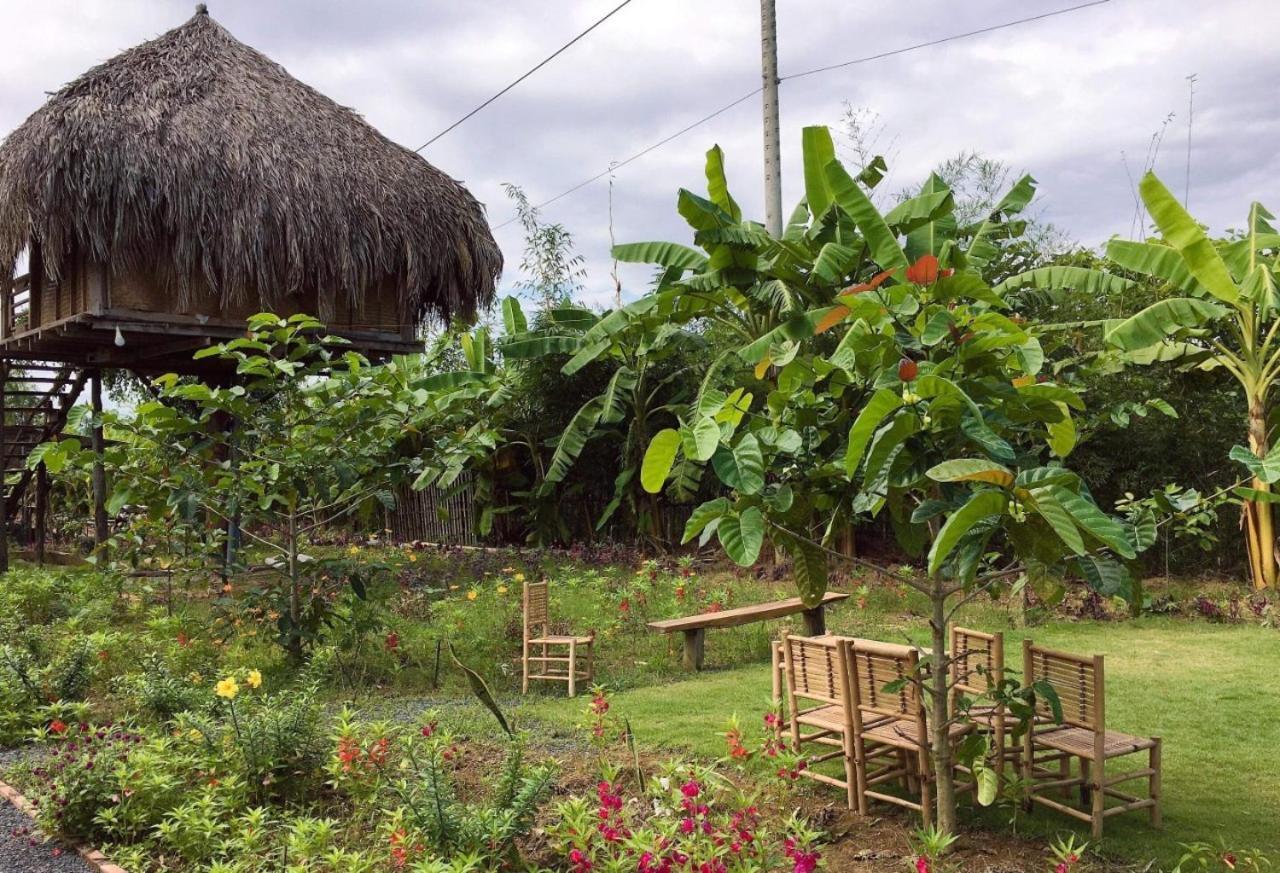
(689, 818)
(78, 778)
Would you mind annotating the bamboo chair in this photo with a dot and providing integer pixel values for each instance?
(817, 672)
(977, 667)
(890, 726)
(548, 660)
(1082, 735)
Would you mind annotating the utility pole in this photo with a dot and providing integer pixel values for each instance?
(772, 154)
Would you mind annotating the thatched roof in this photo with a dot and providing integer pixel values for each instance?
(197, 157)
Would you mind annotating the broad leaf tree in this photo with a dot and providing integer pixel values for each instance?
(901, 384)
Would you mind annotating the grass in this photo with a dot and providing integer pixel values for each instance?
(1208, 690)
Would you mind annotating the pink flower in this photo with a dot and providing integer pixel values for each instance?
(690, 789)
(922, 865)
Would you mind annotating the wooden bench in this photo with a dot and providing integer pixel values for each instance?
(694, 627)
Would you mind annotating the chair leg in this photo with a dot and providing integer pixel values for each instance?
(524, 661)
(1153, 783)
(1086, 787)
(850, 771)
(573, 669)
(860, 772)
(1098, 771)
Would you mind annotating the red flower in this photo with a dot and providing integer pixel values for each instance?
(58, 726)
(922, 865)
(183, 639)
(923, 271)
(429, 729)
(392, 641)
(624, 606)
(908, 370)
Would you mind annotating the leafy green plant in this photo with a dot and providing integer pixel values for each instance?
(1220, 312)
(957, 430)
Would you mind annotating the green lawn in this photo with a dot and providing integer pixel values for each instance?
(1209, 690)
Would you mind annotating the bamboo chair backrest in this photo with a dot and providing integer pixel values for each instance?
(977, 661)
(1077, 680)
(876, 665)
(537, 617)
(816, 670)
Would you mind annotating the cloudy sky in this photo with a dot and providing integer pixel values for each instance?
(1071, 99)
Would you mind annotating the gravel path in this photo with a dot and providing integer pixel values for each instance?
(23, 848)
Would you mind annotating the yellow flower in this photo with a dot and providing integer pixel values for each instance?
(195, 678)
(472, 594)
(502, 589)
(519, 577)
(412, 557)
(254, 679)
(195, 736)
(227, 688)
(354, 550)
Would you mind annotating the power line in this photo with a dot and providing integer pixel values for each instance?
(946, 39)
(862, 60)
(548, 59)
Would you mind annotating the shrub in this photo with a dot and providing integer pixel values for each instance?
(78, 778)
(274, 742)
(690, 818)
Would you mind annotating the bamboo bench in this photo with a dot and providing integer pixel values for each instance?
(694, 627)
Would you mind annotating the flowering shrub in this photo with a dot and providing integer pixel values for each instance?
(78, 776)
(688, 819)
(275, 742)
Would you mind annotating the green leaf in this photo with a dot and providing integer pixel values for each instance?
(718, 185)
(971, 470)
(1266, 469)
(700, 213)
(1162, 319)
(1156, 260)
(981, 506)
(513, 320)
(1077, 278)
(575, 437)
(884, 244)
(988, 781)
(809, 564)
(616, 396)
(481, 690)
(742, 466)
(834, 262)
(1109, 578)
(1182, 232)
(881, 404)
(528, 348)
(982, 248)
(884, 448)
(658, 459)
(704, 515)
(921, 210)
(701, 440)
(929, 239)
(742, 536)
(818, 151)
(1093, 521)
(1059, 519)
(664, 254)
(1062, 434)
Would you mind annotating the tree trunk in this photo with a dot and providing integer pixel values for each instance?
(944, 773)
(295, 592)
(1259, 528)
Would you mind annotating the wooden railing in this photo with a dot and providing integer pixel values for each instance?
(15, 307)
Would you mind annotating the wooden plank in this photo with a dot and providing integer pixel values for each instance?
(742, 614)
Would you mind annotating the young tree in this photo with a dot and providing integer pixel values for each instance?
(900, 385)
(300, 434)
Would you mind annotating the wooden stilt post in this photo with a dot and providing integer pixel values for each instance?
(100, 530)
(4, 462)
(42, 511)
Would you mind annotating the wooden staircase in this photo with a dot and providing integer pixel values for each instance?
(37, 399)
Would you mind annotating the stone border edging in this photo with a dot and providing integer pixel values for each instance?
(92, 857)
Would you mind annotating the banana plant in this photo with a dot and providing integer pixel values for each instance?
(650, 356)
(1221, 311)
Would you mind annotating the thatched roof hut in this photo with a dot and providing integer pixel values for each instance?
(199, 177)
